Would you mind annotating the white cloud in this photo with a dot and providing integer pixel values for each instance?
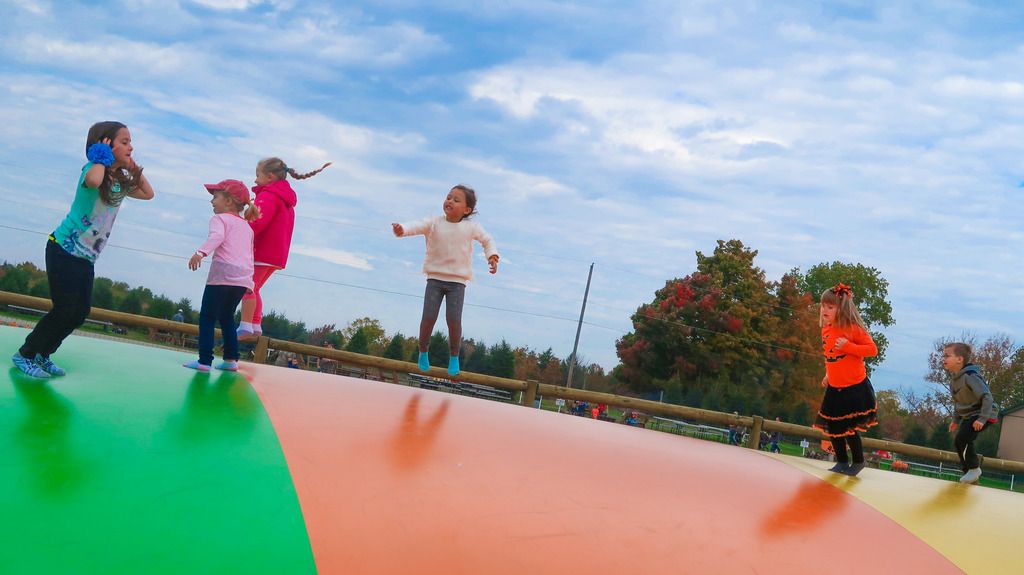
(334, 256)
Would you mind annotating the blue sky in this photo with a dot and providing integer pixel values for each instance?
(626, 134)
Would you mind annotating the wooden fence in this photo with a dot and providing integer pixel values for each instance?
(529, 389)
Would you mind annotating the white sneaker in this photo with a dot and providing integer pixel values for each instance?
(972, 476)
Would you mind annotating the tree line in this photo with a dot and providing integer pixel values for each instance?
(724, 338)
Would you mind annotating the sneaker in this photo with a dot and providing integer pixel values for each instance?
(854, 469)
(228, 365)
(972, 476)
(28, 366)
(194, 364)
(48, 366)
(839, 467)
(453, 365)
(424, 361)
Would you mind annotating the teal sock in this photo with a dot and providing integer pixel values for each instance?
(453, 365)
(424, 361)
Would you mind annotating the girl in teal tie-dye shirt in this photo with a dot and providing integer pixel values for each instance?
(109, 176)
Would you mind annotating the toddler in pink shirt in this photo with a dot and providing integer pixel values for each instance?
(230, 277)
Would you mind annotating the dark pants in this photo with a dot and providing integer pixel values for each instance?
(856, 448)
(219, 304)
(964, 441)
(454, 294)
(70, 279)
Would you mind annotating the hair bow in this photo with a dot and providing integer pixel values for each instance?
(841, 289)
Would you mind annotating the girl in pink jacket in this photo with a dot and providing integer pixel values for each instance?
(273, 235)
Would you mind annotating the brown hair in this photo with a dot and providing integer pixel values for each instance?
(126, 179)
(847, 313)
(960, 349)
(280, 170)
(470, 194)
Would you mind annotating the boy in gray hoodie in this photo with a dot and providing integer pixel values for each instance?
(973, 407)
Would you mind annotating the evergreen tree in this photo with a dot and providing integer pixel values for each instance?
(916, 435)
(438, 350)
(359, 343)
(395, 347)
(503, 360)
(941, 438)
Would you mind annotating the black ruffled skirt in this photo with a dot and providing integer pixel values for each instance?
(847, 410)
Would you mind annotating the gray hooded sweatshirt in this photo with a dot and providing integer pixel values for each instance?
(971, 396)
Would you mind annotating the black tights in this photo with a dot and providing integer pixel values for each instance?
(856, 448)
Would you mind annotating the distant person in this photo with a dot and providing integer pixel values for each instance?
(849, 403)
(109, 176)
(448, 266)
(734, 434)
(179, 316)
(773, 442)
(326, 364)
(973, 407)
(230, 276)
(276, 201)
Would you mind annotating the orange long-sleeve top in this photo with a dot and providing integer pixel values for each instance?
(845, 367)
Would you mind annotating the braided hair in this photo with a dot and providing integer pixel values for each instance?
(280, 170)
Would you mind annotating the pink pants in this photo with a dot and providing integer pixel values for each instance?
(259, 277)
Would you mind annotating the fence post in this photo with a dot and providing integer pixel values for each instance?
(754, 440)
(530, 393)
(262, 346)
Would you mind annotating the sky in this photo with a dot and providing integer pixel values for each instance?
(630, 135)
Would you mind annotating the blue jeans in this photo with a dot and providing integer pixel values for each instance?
(219, 304)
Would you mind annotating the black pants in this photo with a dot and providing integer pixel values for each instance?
(964, 441)
(219, 304)
(856, 448)
(70, 280)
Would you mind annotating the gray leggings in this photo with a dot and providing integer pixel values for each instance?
(454, 294)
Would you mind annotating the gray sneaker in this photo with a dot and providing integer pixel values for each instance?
(28, 366)
(972, 476)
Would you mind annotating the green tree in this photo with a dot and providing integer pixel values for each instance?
(437, 349)
(132, 303)
(396, 347)
(376, 338)
(503, 360)
(103, 293)
(940, 437)
(477, 360)
(15, 279)
(161, 307)
(870, 291)
(40, 288)
(359, 342)
(916, 435)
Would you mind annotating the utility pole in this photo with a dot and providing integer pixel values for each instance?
(579, 326)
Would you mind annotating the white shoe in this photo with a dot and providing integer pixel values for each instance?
(972, 476)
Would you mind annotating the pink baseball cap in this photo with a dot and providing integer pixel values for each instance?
(234, 187)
